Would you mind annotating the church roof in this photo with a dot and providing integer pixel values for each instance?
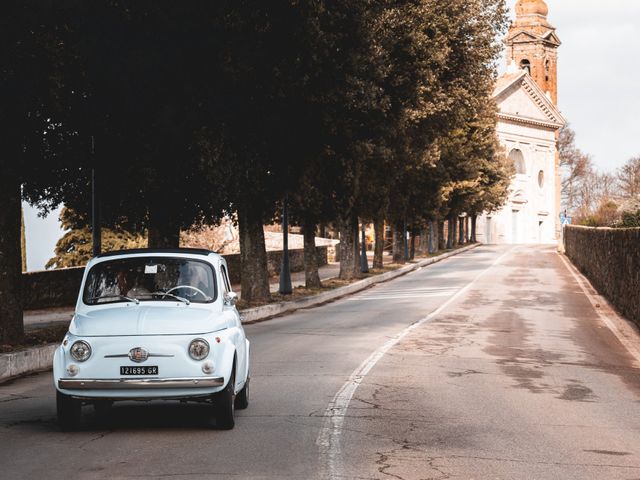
(532, 107)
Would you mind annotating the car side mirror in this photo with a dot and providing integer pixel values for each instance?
(230, 299)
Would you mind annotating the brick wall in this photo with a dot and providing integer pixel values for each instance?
(610, 259)
(59, 288)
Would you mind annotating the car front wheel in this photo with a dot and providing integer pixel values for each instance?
(224, 405)
(242, 398)
(69, 411)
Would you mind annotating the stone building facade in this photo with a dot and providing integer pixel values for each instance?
(528, 126)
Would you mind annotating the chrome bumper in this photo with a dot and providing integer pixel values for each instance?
(138, 383)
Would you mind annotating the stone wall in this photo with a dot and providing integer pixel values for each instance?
(59, 288)
(51, 288)
(610, 259)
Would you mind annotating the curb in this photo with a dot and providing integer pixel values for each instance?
(30, 360)
(259, 314)
(36, 359)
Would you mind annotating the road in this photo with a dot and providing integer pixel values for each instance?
(490, 365)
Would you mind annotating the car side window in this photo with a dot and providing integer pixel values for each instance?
(225, 279)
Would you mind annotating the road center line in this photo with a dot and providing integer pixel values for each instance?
(329, 437)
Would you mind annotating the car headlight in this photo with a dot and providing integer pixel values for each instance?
(199, 349)
(80, 350)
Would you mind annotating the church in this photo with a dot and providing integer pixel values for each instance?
(528, 126)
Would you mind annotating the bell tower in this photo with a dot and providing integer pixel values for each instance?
(532, 44)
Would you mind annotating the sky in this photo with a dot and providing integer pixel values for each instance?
(598, 80)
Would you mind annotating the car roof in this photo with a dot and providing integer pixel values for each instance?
(134, 251)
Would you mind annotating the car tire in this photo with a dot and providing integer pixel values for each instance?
(69, 412)
(224, 405)
(242, 398)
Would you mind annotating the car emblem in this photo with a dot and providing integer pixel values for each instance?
(138, 354)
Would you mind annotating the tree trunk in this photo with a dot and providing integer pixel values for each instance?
(311, 275)
(11, 324)
(254, 274)
(412, 246)
(461, 233)
(467, 237)
(441, 238)
(164, 232)
(450, 231)
(349, 255)
(474, 219)
(423, 246)
(454, 222)
(398, 242)
(432, 243)
(378, 252)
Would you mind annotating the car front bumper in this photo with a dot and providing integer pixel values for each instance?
(138, 383)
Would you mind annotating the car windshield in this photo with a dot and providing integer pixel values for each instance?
(140, 279)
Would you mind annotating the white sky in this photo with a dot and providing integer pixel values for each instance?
(598, 75)
(598, 92)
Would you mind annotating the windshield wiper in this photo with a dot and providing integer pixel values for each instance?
(121, 297)
(165, 294)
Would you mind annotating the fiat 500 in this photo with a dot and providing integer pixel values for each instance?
(154, 324)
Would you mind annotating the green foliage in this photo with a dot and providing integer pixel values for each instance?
(75, 248)
(629, 220)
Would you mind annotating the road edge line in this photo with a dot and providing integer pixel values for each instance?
(623, 329)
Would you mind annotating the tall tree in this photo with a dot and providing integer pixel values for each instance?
(33, 159)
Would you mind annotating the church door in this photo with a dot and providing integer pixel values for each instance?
(515, 227)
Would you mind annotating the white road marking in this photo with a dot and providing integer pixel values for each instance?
(329, 437)
(406, 293)
(445, 293)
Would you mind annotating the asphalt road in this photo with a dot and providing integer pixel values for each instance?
(490, 365)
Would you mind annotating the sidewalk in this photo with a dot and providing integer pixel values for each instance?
(34, 319)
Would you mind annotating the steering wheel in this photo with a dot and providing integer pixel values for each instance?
(197, 290)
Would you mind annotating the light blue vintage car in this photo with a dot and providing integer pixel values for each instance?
(154, 324)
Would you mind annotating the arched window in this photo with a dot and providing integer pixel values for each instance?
(547, 68)
(541, 178)
(525, 65)
(517, 158)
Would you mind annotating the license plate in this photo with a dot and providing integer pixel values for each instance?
(146, 370)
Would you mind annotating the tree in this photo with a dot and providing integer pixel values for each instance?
(33, 142)
(576, 167)
(75, 248)
(628, 177)
(145, 81)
